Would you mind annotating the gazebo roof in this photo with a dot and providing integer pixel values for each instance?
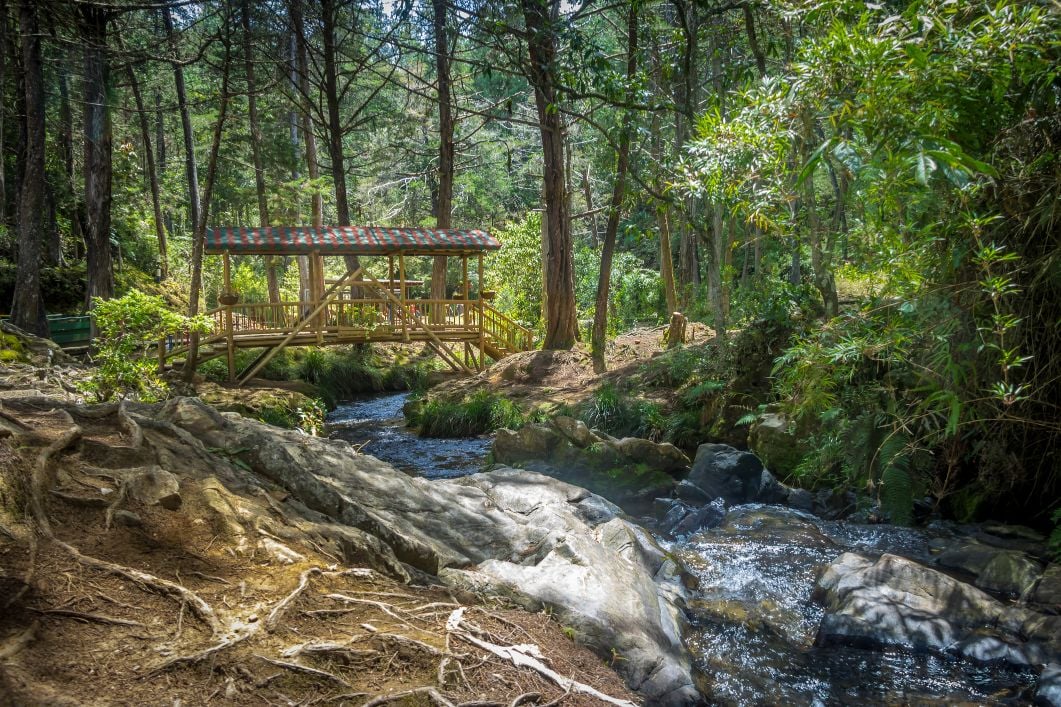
(347, 240)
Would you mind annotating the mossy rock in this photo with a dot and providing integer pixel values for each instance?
(778, 443)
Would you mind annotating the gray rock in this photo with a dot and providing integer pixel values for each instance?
(724, 472)
(800, 499)
(1048, 692)
(777, 443)
(1010, 574)
(511, 533)
(574, 430)
(968, 557)
(1048, 591)
(708, 516)
(127, 519)
(663, 456)
(895, 601)
(691, 493)
(155, 486)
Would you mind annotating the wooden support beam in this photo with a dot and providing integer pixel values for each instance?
(328, 298)
(482, 322)
(401, 294)
(230, 348)
(416, 319)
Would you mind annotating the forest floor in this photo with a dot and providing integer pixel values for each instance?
(109, 599)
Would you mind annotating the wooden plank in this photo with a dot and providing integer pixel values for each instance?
(328, 297)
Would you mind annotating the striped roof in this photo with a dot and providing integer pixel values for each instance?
(346, 240)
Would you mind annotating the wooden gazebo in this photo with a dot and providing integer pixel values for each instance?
(357, 307)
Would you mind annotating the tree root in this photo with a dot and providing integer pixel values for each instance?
(198, 606)
(81, 616)
(528, 656)
(278, 611)
(430, 692)
(298, 668)
(330, 650)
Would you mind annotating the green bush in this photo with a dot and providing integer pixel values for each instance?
(129, 328)
(616, 414)
(479, 413)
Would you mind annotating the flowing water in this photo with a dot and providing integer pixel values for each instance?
(754, 620)
(377, 423)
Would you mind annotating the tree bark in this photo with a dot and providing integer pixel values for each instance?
(686, 100)
(191, 168)
(272, 283)
(335, 126)
(446, 150)
(308, 137)
(3, 111)
(27, 309)
(152, 174)
(561, 324)
(98, 165)
(600, 313)
(199, 235)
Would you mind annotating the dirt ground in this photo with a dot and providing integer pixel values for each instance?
(224, 599)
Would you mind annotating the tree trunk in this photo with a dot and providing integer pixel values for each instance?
(152, 174)
(3, 112)
(191, 168)
(686, 100)
(587, 191)
(819, 257)
(98, 165)
(446, 150)
(600, 313)
(335, 126)
(560, 320)
(27, 309)
(199, 235)
(308, 138)
(272, 284)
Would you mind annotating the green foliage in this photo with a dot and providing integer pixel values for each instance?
(479, 413)
(129, 328)
(612, 412)
(308, 418)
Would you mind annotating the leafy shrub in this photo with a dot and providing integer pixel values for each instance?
(481, 412)
(129, 328)
(612, 412)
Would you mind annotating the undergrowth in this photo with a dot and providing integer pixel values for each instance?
(481, 412)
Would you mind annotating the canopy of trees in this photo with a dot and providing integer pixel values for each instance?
(887, 170)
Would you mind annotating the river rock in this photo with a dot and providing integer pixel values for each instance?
(510, 533)
(1010, 574)
(629, 471)
(1048, 692)
(1048, 591)
(895, 601)
(737, 477)
(777, 443)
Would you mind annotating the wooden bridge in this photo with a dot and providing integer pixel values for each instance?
(358, 307)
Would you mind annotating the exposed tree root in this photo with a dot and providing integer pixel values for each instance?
(198, 606)
(277, 612)
(298, 668)
(330, 650)
(528, 655)
(93, 618)
(429, 692)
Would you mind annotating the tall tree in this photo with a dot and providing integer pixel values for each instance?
(152, 175)
(622, 162)
(28, 309)
(309, 138)
(561, 326)
(191, 167)
(444, 202)
(199, 235)
(97, 153)
(272, 283)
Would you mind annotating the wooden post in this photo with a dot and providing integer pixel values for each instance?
(482, 321)
(318, 295)
(401, 297)
(390, 283)
(230, 352)
(464, 274)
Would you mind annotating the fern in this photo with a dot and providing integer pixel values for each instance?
(896, 480)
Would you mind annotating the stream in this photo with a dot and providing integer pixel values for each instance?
(753, 619)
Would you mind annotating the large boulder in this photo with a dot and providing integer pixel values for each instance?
(735, 476)
(510, 533)
(629, 471)
(776, 441)
(1009, 573)
(895, 601)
